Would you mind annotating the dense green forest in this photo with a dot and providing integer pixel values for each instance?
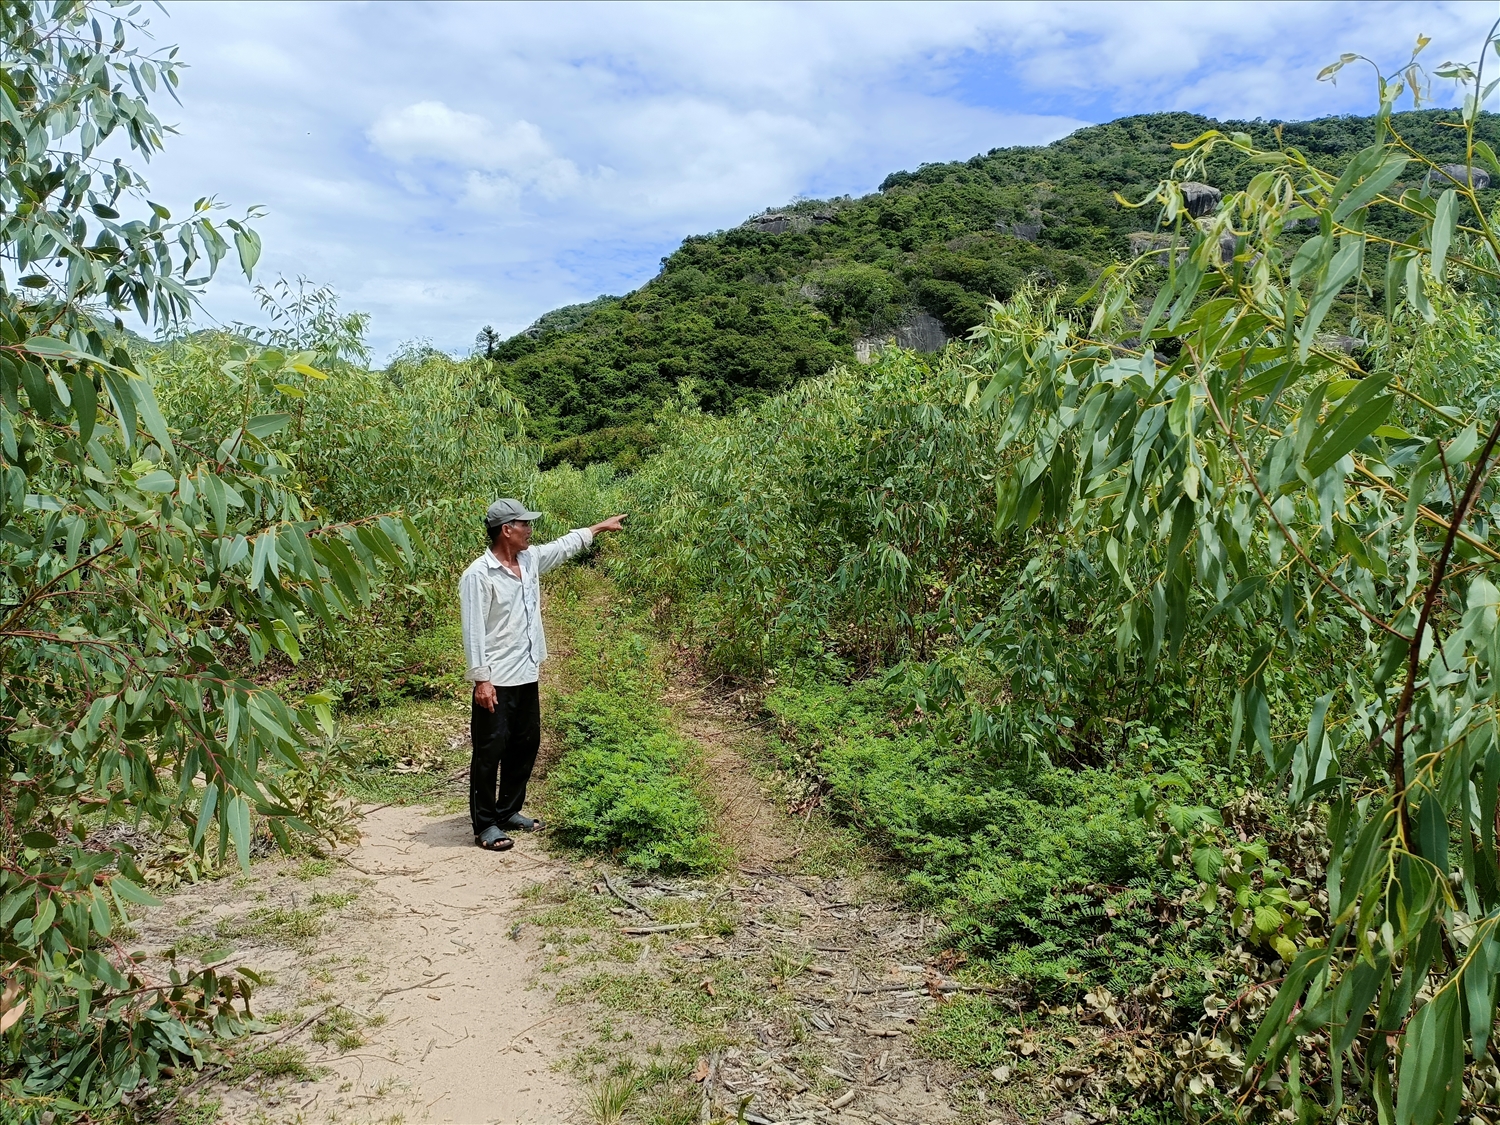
(1152, 640)
(744, 313)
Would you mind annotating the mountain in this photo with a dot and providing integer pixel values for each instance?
(748, 312)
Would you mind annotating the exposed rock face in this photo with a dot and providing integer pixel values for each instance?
(921, 332)
(1027, 229)
(1346, 344)
(1159, 242)
(1200, 199)
(778, 222)
(1449, 175)
(1149, 242)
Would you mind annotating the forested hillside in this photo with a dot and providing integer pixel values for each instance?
(747, 312)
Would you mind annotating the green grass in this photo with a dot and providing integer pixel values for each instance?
(626, 784)
(270, 1063)
(405, 754)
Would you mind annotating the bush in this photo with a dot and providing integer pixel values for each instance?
(1045, 874)
(626, 783)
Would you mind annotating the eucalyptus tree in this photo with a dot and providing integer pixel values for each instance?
(139, 570)
(1330, 503)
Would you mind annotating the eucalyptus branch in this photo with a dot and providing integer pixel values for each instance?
(1324, 578)
(1434, 586)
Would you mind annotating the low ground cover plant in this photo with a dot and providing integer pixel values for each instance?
(626, 782)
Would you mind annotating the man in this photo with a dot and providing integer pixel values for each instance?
(504, 647)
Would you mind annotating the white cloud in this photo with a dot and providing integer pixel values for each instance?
(431, 129)
(541, 154)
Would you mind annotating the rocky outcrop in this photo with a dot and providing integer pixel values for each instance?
(867, 348)
(1028, 229)
(770, 224)
(1200, 199)
(919, 332)
(1346, 344)
(1159, 242)
(922, 333)
(1149, 242)
(1448, 175)
(1227, 243)
(779, 222)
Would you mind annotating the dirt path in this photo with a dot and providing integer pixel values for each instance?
(414, 978)
(402, 991)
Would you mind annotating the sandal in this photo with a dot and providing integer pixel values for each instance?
(493, 840)
(525, 823)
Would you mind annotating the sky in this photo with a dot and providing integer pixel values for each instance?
(450, 166)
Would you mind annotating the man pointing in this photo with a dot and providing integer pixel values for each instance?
(504, 647)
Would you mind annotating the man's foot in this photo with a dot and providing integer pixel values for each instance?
(525, 823)
(493, 840)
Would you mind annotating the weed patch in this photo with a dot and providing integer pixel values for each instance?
(406, 754)
(626, 783)
(271, 1063)
(1044, 875)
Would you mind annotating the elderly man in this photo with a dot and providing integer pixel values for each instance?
(504, 647)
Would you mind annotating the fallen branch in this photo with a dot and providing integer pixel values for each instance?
(942, 986)
(625, 898)
(527, 1028)
(638, 930)
(284, 1036)
(409, 987)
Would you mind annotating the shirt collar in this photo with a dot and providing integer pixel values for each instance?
(496, 564)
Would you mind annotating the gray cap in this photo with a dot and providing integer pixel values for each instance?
(504, 511)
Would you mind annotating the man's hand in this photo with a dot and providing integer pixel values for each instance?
(614, 523)
(484, 694)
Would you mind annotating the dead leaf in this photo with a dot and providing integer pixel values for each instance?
(700, 1072)
(12, 1016)
(708, 987)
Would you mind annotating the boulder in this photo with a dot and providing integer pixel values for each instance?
(1445, 176)
(866, 348)
(1346, 344)
(770, 224)
(821, 218)
(1149, 242)
(922, 332)
(1200, 199)
(919, 332)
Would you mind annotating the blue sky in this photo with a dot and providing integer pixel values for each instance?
(446, 166)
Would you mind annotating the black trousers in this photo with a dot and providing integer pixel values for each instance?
(505, 743)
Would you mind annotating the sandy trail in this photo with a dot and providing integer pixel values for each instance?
(464, 1039)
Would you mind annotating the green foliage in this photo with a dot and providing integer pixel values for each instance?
(1046, 874)
(745, 314)
(626, 783)
(1236, 474)
(143, 571)
(1195, 538)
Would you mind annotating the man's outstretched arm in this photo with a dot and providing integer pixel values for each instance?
(559, 551)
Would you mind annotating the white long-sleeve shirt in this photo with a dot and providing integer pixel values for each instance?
(502, 615)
